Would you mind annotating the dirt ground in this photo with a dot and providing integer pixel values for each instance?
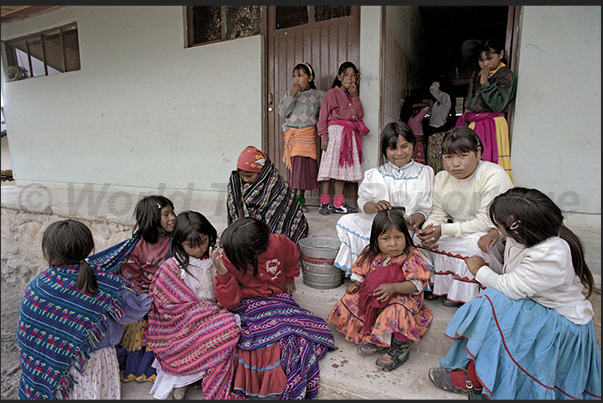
(11, 368)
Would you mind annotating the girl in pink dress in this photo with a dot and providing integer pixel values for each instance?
(383, 307)
(340, 127)
(412, 113)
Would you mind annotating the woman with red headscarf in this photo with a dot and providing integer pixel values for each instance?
(256, 189)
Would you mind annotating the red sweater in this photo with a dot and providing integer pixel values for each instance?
(143, 262)
(277, 266)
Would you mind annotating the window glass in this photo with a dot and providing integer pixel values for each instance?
(207, 24)
(242, 21)
(323, 13)
(291, 16)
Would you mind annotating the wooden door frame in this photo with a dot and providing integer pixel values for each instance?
(512, 45)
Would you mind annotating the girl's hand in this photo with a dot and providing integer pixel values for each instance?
(215, 257)
(415, 221)
(354, 88)
(291, 288)
(324, 144)
(474, 263)
(371, 207)
(430, 235)
(384, 291)
(483, 75)
(295, 89)
(487, 241)
(352, 288)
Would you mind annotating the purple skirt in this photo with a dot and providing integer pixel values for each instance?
(303, 173)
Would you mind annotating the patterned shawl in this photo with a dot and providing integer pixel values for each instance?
(188, 335)
(269, 199)
(351, 132)
(266, 321)
(59, 327)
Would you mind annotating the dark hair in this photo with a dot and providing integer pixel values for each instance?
(529, 216)
(407, 110)
(384, 221)
(148, 216)
(69, 242)
(344, 66)
(461, 139)
(309, 70)
(190, 225)
(244, 240)
(390, 134)
(492, 45)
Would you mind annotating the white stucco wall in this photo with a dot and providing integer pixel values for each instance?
(370, 86)
(556, 144)
(142, 111)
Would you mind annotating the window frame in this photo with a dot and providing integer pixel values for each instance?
(11, 59)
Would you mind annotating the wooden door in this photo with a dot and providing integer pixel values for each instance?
(325, 37)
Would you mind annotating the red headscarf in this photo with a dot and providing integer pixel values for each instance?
(251, 160)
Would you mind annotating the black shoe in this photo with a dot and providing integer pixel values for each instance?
(452, 304)
(344, 209)
(398, 354)
(442, 378)
(324, 209)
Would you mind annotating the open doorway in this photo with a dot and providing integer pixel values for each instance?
(447, 27)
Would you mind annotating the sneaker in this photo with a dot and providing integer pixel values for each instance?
(324, 209)
(344, 209)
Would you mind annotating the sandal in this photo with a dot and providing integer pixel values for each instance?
(367, 349)
(398, 353)
(429, 295)
(442, 378)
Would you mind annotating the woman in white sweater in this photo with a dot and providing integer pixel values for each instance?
(399, 182)
(458, 226)
(530, 334)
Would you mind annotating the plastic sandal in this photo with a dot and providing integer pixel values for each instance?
(367, 349)
(398, 354)
(442, 378)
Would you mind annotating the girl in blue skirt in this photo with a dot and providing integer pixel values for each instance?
(530, 333)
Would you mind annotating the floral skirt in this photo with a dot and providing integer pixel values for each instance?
(329, 161)
(100, 378)
(403, 314)
(523, 350)
(135, 360)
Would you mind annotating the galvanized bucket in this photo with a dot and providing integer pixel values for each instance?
(317, 258)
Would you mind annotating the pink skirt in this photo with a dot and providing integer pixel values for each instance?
(303, 173)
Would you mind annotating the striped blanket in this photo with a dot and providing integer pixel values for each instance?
(269, 199)
(188, 335)
(59, 327)
(303, 336)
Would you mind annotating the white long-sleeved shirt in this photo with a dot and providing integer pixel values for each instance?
(467, 201)
(410, 186)
(543, 272)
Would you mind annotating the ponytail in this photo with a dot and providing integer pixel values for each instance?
(580, 267)
(86, 279)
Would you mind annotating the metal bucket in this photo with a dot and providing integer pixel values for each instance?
(317, 258)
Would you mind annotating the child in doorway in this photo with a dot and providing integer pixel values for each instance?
(280, 342)
(539, 304)
(383, 307)
(340, 127)
(300, 107)
(193, 338)
(70, 320)
(491, 90)
(412, 113)
(441, 118)
(462, 192)
(155, 220)
(256, 189)
(399, 182)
